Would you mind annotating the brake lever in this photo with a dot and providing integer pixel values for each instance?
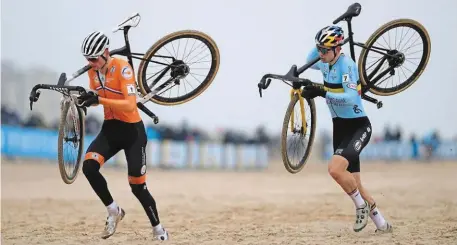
(34, 98)
(76, 101)
(263, 84)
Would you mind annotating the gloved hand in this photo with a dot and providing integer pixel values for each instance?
(88, 99)
(311, 91)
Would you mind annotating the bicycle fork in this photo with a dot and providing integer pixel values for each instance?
(302, 111)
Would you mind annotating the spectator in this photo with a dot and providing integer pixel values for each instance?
(35, 121)
(388, 134)
(396, 136)
(415, 147)
(9, 117)
(93, 126)
(431, 142)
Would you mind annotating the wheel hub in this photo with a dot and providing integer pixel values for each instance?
(397, 60)
(300, 130)
(179, 69)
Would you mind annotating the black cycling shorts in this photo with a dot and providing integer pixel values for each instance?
(350, 136)
(117, 135)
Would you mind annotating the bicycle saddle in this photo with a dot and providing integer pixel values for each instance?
(352, 11)
(131, 21)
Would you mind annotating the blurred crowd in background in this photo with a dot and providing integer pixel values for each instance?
(183, 132)
(16, 112)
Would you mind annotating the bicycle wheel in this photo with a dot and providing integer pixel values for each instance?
(164, 61)
(302, 134)
(71, 139)
(409, 31)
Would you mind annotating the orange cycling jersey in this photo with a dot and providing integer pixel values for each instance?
(116, 90)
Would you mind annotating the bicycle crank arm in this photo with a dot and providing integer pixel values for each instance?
(372, 100)
(148, 112)
(142, 107)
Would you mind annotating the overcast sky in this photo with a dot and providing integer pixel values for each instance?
(254, 38)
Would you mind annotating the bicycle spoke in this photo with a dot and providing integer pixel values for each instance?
(406, 45)
(297, 145)
(71, 141)
(195, 55)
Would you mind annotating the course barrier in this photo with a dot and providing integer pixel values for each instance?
(34, 143)
(401, 151)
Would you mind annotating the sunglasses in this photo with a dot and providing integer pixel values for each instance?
(93, 59)
(323, 50)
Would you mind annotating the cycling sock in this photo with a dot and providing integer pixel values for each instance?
(113, 208)
(357, 198)
(377, 217)
(158, 229)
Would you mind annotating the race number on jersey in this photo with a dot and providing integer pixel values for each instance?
(130, 89)
(345, 78)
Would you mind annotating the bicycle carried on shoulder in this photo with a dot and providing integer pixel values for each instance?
(177, 68)
(389, 62)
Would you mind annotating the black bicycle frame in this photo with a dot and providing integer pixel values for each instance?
(123, 51)
(297, 82)
(60, 87)
(126, 51)
(352, 43)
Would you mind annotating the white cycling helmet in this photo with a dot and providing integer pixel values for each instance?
(94, 44)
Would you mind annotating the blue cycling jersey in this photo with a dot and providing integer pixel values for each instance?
(341, 81)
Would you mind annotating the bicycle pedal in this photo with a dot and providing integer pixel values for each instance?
(379, 104)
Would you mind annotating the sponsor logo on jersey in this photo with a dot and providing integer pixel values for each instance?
(351, 86)
(127, 72)
(336, 101)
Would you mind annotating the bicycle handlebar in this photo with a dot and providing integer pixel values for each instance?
(35, 94)
(291, 76)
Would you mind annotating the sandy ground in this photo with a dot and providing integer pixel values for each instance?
(272, 207)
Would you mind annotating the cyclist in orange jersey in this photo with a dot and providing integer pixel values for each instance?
(113, 86)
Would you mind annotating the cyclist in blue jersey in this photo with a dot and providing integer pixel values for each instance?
(351, 126)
